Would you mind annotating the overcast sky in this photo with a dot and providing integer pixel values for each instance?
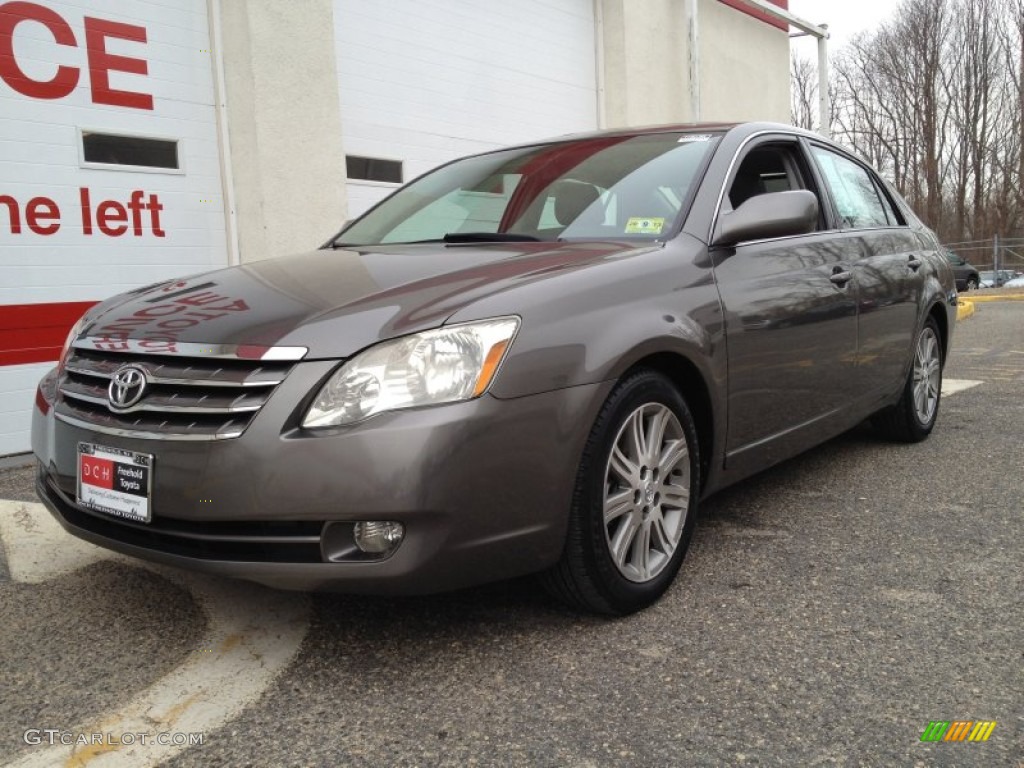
(844, 19)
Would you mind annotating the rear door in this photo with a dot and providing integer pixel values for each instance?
(790, 313)
(889, 272)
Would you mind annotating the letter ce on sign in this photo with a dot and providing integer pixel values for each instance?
(63, 82)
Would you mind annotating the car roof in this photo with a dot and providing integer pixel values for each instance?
(719, 127)
(734, 129)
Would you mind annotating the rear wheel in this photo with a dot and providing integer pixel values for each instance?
(972, 284)
(913, 417)
(634, 505)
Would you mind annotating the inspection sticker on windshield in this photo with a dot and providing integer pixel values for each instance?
(638, 225)
(114, 481)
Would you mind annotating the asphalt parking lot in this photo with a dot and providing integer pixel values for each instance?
(829, 609)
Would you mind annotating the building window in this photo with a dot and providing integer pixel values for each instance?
(373, 169)
(113, 149)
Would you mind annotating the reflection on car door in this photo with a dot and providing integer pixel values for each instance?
(888, 273)
(790, 316)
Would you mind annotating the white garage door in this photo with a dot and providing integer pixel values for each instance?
(425, 81)
(109, 170)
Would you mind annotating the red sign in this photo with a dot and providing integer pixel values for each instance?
(97, 472)
(34, 333)
(65, 79)
(42, 215)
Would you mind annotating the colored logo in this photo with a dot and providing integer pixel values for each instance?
(958, 730)
(126, 387)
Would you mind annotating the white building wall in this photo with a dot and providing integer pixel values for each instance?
(744, 69)
(646, 62)
(426, 81)
(743, 64)
(40, 156)
(284, 124)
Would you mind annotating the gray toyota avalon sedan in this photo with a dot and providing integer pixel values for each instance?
(533, 360)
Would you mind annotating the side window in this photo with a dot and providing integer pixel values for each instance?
(892, 212)
(772, 168)
(764, 169)
(857, 199)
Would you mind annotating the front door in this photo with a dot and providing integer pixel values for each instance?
(790, 309)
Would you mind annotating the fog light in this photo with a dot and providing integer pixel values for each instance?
(379, 536)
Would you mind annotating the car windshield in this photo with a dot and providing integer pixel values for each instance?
(611, 187)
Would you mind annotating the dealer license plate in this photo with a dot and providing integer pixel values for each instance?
(115, 482)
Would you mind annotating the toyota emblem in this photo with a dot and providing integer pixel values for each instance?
(126, 387)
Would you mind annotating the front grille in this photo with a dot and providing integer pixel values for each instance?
(186, 397)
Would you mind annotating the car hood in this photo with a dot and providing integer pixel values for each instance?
(333, 302)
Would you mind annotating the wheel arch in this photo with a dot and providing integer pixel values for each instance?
(941, 317)
(688, 379)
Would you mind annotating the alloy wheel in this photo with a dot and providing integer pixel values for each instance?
(927, 376)
(647, 492)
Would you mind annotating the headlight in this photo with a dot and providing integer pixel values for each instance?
(457, 362)
(66, 349)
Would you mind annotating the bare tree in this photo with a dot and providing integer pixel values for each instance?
(935, 98)
(803, 84)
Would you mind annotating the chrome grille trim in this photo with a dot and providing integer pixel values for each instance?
(180, 375)
(213, 396)
(157, 406)
(187, 349)
(187, 403)
(145, 434)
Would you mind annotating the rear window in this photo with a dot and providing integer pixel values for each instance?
(859, 200)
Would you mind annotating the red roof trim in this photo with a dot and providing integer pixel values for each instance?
(760, 15)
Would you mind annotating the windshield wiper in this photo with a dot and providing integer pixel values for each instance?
(489, 237)
(336, 246)
(453, 237)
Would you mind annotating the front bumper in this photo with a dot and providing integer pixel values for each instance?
(482, 487)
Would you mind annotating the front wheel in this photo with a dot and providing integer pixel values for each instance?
(972, 284)
(913, 417)
(635, 501)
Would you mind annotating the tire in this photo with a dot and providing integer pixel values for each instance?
(913, 417)
(972, 284)
(625, 564)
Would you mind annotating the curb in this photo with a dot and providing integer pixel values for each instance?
(998, 297)
(16, 461)
(964, 309)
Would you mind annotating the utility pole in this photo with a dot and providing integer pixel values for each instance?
(995, 261)
(824, 105)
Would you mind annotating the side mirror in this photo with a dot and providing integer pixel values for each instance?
(773, 214)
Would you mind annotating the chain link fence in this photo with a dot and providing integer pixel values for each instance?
(1002, 256)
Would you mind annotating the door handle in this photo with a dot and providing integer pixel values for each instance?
(914, 263)
(840, 276)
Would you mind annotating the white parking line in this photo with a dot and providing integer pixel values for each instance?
(952, 386)
(252, 634)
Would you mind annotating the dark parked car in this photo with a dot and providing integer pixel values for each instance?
(536, 359)
(965, 273)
